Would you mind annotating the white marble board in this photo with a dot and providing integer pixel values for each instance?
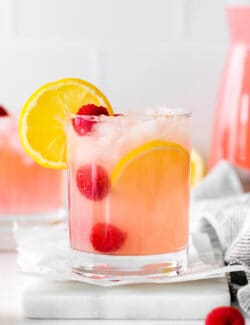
(74, 300)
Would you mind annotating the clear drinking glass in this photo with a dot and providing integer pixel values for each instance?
(129, 194)
(29, 193)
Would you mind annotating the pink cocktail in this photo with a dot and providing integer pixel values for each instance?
(25, 188)
(129, 193)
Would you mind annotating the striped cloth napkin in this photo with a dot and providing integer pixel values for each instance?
(220, 207)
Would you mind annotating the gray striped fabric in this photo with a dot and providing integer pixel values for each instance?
(220, 208)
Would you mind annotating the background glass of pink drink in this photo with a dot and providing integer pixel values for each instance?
(27, 190)
(131, 228)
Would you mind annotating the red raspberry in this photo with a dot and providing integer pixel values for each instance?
(107, 238)
(93, 181)
(82, 125)
(225, 316)
(3, 111)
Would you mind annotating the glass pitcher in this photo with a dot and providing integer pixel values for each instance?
(231, 132)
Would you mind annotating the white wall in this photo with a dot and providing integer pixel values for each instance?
(140, 52)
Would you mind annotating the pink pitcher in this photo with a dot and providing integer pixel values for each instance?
(231, 132)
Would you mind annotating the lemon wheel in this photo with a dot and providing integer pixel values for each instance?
(43, 117)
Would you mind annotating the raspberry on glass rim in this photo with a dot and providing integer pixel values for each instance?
(3, 111)
(84, 125)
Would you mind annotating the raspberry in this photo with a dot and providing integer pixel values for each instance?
(84, 125)
(107, 238)
(3, 111)
(93, 181)
(225, 316)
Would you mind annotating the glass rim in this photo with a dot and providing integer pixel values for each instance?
(137, 115)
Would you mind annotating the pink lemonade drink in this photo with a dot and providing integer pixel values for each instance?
(25, 187)
(129, 193)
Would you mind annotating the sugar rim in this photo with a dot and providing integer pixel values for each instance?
(168, 113)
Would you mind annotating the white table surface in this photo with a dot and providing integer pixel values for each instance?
(12, 284)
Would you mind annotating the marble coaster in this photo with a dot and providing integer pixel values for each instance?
(74, 300)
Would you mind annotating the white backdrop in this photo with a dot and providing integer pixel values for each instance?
(140, 52)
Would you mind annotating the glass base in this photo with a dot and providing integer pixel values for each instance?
(7, 238)
(115, 268)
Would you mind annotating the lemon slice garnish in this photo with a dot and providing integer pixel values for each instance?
(43, 117)
(197, 168)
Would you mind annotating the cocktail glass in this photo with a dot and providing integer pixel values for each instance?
(129, 194)
(27, 190)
